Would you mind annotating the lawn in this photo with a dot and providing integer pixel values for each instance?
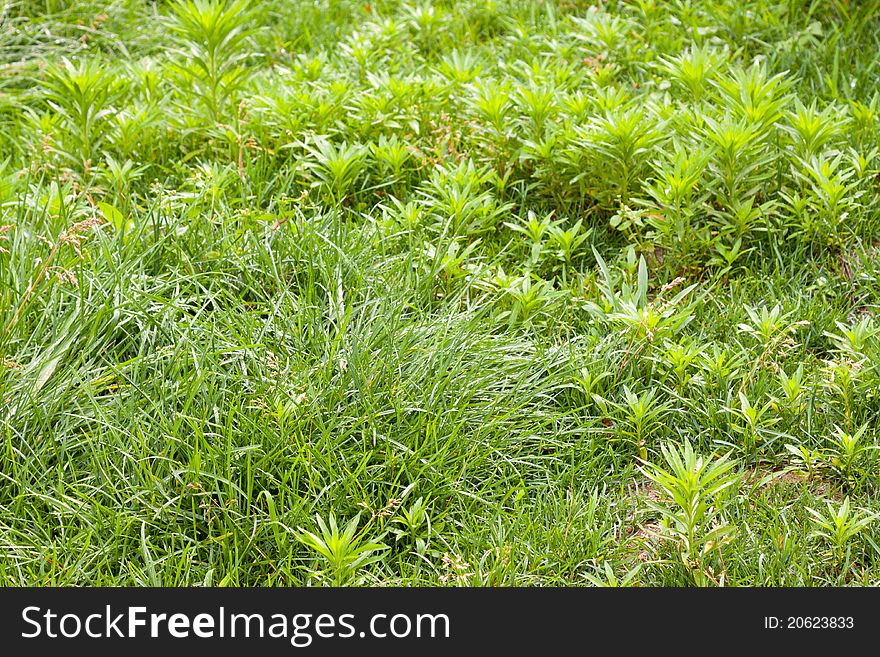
(461, 293)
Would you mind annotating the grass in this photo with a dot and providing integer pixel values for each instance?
(453, 293)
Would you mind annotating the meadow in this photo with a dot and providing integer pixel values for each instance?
(450, 293)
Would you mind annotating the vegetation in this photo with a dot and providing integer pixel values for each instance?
(444, 293)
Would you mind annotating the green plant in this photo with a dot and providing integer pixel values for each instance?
(606, 577)
(854, 339)
(565, 242)
(393, 154)
(82, 95)
(850, 456)
(741, 161)
(642, 416)
(773, 329)
(629, 307)
(794, 389)
(335, 168)
(807, 458)
(754, 422)
(840, 526)
(811, 129)
(535, 230)
(726, 256)
(344, 550)
(694, 523)
(678, 197)
(526, 296)
(830, 194)
(537, 104)
(619, 144)
(212, 37)
(415, 525)
(73, 236)
(693, 69)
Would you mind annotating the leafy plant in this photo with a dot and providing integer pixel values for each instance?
(565, 242)
(642, 416)
(694, 523)
(344, 550)
(335, 168)
(619, 145)
(212, 37)
(693, 69)
(606, 577)
(675, 192)
(854, 339)
(840, 526)
(82, 94)
(850, 456)
(415, 525)
(754, 422)
(526, 296)
(628, 306)
(794, 389)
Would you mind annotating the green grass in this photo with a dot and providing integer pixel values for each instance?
(454, 293)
